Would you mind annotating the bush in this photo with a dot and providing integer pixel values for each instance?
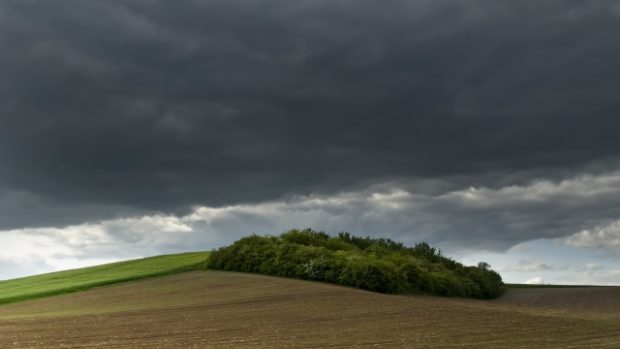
(371, 274)
(379, 265)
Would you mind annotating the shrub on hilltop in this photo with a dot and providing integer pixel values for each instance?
(380, 265)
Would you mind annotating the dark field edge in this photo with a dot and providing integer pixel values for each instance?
(193, 267)
(549, 286)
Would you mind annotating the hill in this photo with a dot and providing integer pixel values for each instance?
(213, 309)
(86, 278)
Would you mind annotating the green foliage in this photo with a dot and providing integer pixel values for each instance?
(379, 265)
(86, 278)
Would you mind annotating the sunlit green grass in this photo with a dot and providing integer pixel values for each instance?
(86, 278)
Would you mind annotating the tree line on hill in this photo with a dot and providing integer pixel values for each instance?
(379, 265)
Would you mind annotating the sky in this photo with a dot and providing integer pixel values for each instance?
(131, 128)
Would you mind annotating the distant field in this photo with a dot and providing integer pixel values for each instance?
(85, 278)
(545, 286)
(211, 309)
(584, 300)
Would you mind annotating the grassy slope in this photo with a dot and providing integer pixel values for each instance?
(86, 278)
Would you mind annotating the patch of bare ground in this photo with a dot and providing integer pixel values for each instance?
(233, 310)
(580, 301)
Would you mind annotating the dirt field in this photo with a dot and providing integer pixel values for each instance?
(230, 310)
(594, 301)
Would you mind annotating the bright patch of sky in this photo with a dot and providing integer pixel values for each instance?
(553, 261)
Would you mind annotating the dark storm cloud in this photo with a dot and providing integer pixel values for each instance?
(158, 105)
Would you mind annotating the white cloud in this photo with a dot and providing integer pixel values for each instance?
(605, 237)
(535, 281)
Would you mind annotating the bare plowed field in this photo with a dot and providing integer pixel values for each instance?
(231, 310)
(595, 301)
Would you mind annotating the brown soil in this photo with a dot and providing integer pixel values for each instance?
(231, 310)
(597, 301)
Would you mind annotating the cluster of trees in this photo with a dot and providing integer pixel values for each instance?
(380, 265)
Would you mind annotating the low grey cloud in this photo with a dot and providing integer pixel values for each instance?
(512, 215)
(123, 108)
(593, 266)
(526, 265)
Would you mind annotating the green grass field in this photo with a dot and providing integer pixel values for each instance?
(86, 278)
